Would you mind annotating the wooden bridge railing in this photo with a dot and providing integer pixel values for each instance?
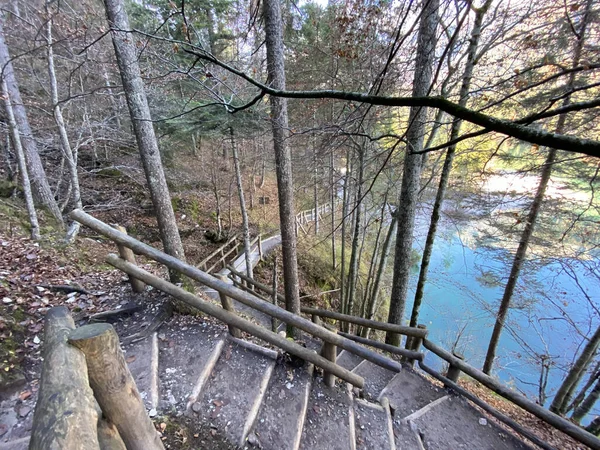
(329, 338)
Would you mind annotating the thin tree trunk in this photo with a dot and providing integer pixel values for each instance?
(353, 266)
(594, 375)
(332, 207)
(39, 182)
(10, 174)
(114, 103)
(20, 154)
(343, 242)
(283, 158)
(567, 388)
(65, 145)
(385, 252)
(240, 186)
(316, 188)
(533, 213)
(412, 166)
(582, 410)
(445, 176)
(125, 51)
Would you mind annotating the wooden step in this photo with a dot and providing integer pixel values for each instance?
(329, 423)
(408, 392)
(376, 379)
(142, 359)
(348, 360)
(283, 410)
(373, 425)
(187, 356)
(456, 424)
(234, 391)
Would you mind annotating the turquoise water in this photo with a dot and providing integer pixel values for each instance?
(462, 295)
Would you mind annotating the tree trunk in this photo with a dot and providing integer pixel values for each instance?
(582, 410)
(385, 252)
(594, 375)
(354, 259)
(534, 211)
(567, 388)
(10, 173)
(65, 145)
(25, 183)
(412, 166)
(125, 51)
(39, 182)
(344, 326)
(332, 206)
(315, 185)
(445, 176)
(240, 186)
(283, 159)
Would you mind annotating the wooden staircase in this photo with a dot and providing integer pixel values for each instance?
(258, 400)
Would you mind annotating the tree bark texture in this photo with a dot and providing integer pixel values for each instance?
(244, 211)
(445, 175)
(22, 164)
(567, 388)
(114, 387)
(283, 158)
(534, 211)
(65, 415)
(354, 258)
(65, 145)
(37, 174)
(137, 102)
(412, 166)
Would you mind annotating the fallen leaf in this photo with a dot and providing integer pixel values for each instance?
(130, 359)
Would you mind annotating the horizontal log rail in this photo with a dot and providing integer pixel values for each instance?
(221, 249)
(408, 354)
(383, 326)
(263, 287)
(547, 416)
(243, 297)
(235, 320)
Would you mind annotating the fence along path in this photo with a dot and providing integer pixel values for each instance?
(323, 416)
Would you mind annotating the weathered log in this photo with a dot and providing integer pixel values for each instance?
(539, 411)
(242, 297)
(109, 437)
(127, 255)
(408, 331)
(236, 321)
(114, 387)
(453, 370)
(329, 351)
(227, 305)
(409, 354)
(65, 415)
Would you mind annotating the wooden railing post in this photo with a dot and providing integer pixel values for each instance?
(227, 305)
(260, 248)
(114, 387)
(127, 254)
(415, 344)
(454, 371)
(329, 352)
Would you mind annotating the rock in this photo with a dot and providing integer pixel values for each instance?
(196, 407)
(152, 412)
(7, 300)
(483, 421)
(253, 441)
(24, 411)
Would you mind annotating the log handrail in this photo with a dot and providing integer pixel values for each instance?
(383, 326)
(220, 249)
(236, 321)
(237, 294)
